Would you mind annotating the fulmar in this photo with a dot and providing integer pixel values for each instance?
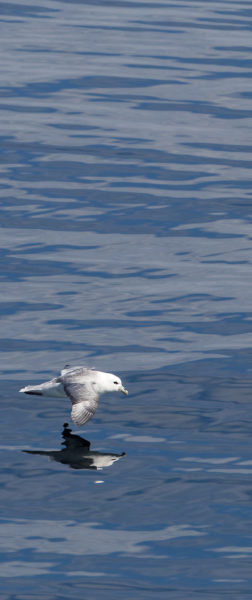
(83, 386)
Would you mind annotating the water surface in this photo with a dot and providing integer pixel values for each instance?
(125, 222)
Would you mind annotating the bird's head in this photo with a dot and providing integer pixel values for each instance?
(112, 383)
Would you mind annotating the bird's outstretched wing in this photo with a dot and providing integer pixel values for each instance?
(84, 400)
(74, 370)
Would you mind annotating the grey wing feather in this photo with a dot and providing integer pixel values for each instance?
(84, 401)
(77, 370)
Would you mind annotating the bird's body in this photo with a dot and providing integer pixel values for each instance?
(83, 387)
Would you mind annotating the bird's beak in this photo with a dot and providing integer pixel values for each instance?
(122, 389)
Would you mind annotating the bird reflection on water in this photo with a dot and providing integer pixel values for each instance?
(77, 453)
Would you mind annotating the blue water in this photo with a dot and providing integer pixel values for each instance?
(125, 182)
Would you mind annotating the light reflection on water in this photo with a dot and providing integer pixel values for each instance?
(126, 245)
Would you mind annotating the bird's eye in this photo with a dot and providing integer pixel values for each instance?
(116, 382)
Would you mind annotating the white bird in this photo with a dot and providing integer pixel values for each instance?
(83, 387)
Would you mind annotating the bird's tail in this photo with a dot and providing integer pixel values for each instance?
(49, 388)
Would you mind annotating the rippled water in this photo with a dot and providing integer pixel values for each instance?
(126, 244)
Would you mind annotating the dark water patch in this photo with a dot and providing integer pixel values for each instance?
(234, 48)
(72, 324)
(120, 4)
(214, 110)
(202, 23)
(45, 89)
(221, 147)
(24, 109)
(245, 63)
(130, 158)
(40, 248)
(113, 224)
(18, 269)
(8, 308)
(25, 11)
(15, 345)
(133, 29)
(81, 171)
